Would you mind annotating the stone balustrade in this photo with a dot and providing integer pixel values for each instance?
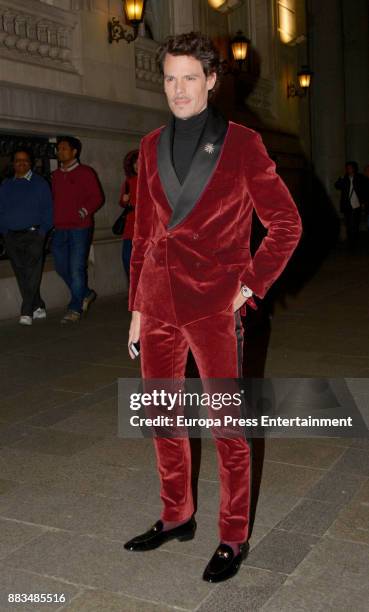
(147, 72)
(40, 35)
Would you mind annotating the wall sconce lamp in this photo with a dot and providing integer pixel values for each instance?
(224, 6)
(240, 46)
(134, 12)
(300, 90)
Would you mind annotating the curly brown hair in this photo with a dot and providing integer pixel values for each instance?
(195, 44)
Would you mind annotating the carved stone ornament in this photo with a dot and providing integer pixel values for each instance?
(37, 36)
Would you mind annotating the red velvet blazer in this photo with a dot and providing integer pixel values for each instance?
(191, 245)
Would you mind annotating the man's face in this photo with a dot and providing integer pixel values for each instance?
(22, 164)
(66, 154)
(350, 170)
(186, 85)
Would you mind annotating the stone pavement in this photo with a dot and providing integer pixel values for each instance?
(71, 492)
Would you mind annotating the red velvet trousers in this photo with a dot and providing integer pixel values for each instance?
(164, 350)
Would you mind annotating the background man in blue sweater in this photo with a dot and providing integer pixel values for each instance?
(25, 219)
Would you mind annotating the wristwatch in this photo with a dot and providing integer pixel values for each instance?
(246, 291)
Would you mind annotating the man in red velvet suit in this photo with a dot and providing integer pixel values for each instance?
(200, 178)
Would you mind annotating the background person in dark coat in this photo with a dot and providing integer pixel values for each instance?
(128, 198)
(25, 219)
(353, 188)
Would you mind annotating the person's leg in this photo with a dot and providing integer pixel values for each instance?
(163, 356)
(35, 259)
(126, 255)
(356, 218)
(352, 227)
(60, 248)
(216, 343)
(14, 244)
(80, 241)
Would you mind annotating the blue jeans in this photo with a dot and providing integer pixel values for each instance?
(70, 251)
(126, 255)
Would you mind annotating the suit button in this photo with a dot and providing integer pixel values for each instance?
(169, 235)
(197, 264)
(195, 236)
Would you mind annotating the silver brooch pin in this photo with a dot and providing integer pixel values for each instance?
(209, 148)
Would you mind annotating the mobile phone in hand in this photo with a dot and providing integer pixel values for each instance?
(135, 348)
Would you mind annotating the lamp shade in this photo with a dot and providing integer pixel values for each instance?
(216, 4)
(225, 6)
(304, 77)
(134, 10)
(240, 45)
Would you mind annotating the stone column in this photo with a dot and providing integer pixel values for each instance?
(183, 18)
(355, 19)
(328, 92)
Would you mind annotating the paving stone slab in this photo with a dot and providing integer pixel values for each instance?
(334, 576)
(281, 551)
(310, 516)
(103, 601)
(22, 466)
(123, 452)
(7, 485)
(89, 379)
(13, 580)
(287, 479)
(247, 591)
(336, 487)
(52, 416)
(309, 452)
(24, 405)
(11, 434)
(355, 461)
(53, 442)
(156, 576)
(352, 523)
(14, 534)
(131, 485)
(272, 508)
(101, 417)
(92, 515)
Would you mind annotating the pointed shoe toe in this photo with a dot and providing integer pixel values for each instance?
(156, 536)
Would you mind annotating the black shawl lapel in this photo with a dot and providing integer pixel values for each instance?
(168, 178)
(183, 198)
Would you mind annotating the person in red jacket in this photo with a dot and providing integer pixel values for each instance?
(128, 198)
(77, 196)
(201, 177)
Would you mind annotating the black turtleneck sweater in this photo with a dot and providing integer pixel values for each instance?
(186, 136)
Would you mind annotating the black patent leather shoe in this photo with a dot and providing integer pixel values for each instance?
(156, 536)
(224, 563)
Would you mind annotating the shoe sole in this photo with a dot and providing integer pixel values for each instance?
(182, 538)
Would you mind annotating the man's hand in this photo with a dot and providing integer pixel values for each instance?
(134, 330)
(83, 212)
(239, 301)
